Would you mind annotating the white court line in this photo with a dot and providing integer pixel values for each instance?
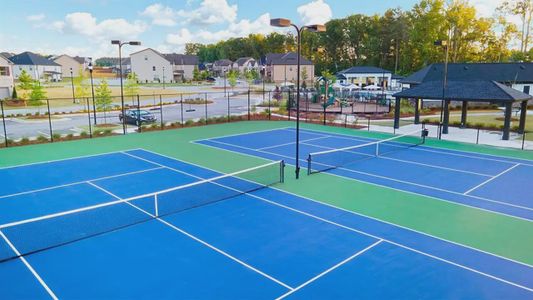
(399, 181)
(285, 144)
(329, 270)
(199, 240)
(238, 134)
(404, 161)
(491, 179)
(64, 159)
(78, 182)
(373, 236)
(356, 213)
(437, 150)
(27, 264)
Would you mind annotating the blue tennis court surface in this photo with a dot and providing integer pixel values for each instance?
(265, 244)
(483, 181)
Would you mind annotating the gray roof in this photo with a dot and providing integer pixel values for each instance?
(285, 59)
(29, 58)
(7, 54)
(181, 59)
(501, 72)
(79, 59)
(223, 63)
(475, 91)
(241, 61)
(364, 70)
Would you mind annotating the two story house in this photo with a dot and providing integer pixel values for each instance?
(245, 64)
(37, 66)
(6, 77)
(151, 66)
(282, 67)
(71, 64)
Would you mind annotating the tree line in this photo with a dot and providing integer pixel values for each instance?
(398, 40)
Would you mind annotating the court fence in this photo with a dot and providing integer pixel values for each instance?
(62, 119)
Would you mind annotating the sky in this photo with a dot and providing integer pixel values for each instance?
(85, 27)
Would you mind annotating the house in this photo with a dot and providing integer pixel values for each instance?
(222, 66)
(365, 76)
(281, 68)
(151, 66)
(71, 64)
(245, 64)
(37, 66)
(6, 77)
(518, 76)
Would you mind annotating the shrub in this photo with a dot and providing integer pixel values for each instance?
(70, 136)
(108, 132)
(25, 141)
(42, 139)
(479, 125)
(189, 123)
(56, 136)
(84, 134)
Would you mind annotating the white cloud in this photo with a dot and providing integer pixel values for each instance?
(240, 29)
(209, 12)
(35, 18)
(160, 15)
(315, 12)
(87, 25)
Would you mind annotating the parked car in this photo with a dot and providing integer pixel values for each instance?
(210, 79)
(138, 117)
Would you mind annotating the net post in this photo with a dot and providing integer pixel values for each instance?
(282, 171)
(156, 206)
(309, 164)
(377, 149)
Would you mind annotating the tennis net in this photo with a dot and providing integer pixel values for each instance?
(335, 158)
(44, 232)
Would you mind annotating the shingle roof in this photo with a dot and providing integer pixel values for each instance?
(223, 62)
(29, 58)
(364, 70)
(289, 58)
(501, 72)
(475, 91)
(181, 59)
(79, 59)
(241, 61)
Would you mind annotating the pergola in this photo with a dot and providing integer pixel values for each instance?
(465, 91)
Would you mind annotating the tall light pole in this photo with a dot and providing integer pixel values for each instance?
(120, 44)
(444, 103)
(90, 67)
(263, 80)
(163, 77)
(72, 84)
(299, 30)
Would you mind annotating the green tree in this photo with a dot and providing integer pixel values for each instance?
(131, 87)
(196, 75)
(81, 86)
(25, 84)
(37, 94)
(14, 94)
(524, 10)
(304, 77)
(103, 98)
(250, 76)
(232, 77)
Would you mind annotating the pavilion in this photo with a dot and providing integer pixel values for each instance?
(466, 92)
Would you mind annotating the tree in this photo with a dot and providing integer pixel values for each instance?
(250, 76)
(81, 86)
(524, 10)
(25, 84)
(14, 94)
(193, 48)
(196, 75)
(103, 98)
(304, 77)
(37, 94)
(131, 87)
(232, 78)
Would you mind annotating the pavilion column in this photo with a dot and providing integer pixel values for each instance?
(523, 113)
(446, 119)
(464, 113)
(417, 111)
(397, 113)
(507, 121)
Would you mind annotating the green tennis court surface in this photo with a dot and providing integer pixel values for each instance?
(361, 239)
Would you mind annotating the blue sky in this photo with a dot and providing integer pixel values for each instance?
(84, 27)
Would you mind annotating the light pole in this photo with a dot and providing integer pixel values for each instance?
(163, 77)
(224, 72)
(90, 66)
(120, 44)
(72, 84)
(442, 130)
(263, 81)
(299, 30)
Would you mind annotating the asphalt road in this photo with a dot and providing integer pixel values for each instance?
(76, 123)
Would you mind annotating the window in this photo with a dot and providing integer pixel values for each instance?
(153, 68)
(146, 57)
(4, 71)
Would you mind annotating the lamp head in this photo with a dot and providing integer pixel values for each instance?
(280, 22)
(115, 42)
(316, 28)
(135, 43)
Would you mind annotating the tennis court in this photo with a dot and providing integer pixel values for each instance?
(138, 223)
(483, 181)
